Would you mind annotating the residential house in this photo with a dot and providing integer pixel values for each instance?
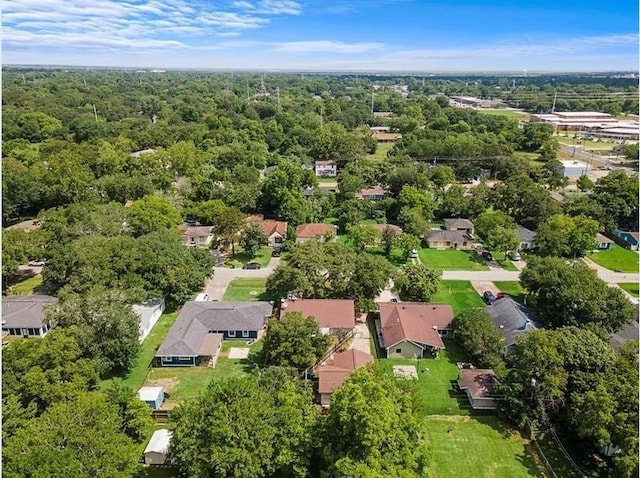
(459, 224)
(332, 315)
(527, 238)
(152, 396)
(24, 315)
(439, 239)
(197, 334)
(604, 243)
(381, 228)
(376, 193)
(512, 318)
(148, 312)
(194, 236)
(332, 375)
(631, 238)
(385, 136)
(326, 169)
(479, 385)
(276, 231)
(315, 232)
(158, 448)
(413, 329)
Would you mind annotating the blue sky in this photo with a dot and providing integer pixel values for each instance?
(358, 35)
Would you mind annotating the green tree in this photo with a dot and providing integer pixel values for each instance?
(75, 438)
(363, 236)
(372, 429)
(571, 294)
(295, 341)
(133, 412)
(229, 225)
(479, 337)
(152, 213)
(252, 239)
(387, 238)
(407, 243)
(417, 282)
(565, 236)
(584, 183)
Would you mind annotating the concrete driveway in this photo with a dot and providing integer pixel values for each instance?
(482, 286)
(362, 339)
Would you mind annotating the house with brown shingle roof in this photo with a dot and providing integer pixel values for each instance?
(479, 385)
(441, 239)
(332, 375)
(276, 231)
(315, 231)
(332, 315)
(459, 224)
(413, 329)
(376, 193)
(193, 236)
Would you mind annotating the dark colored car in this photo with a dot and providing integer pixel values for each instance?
(489, 297)
(276, 253)
(486, 255)
(251, 265)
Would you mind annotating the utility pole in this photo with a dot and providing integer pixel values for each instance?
(95, 113)
(84, 80)
(321, 117)
(24, 80)
(555, 97)
(263, 90)
(278, 97)
(372, 94)
(248, 96)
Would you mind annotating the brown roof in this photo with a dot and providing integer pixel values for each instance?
(329, 313)
(479, 381)
(414, 321)
(453, 223)
(448, 236)
(196, 231)
(636, 235)
(374, 191)
(333, 375)
(382, 227)
(27, 226)
(329, 162)
(603, 239)
(255, 217)
(210, 344)
(315, 229)
(269, 226)
(383, 135)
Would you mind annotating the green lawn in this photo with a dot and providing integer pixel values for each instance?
(631, 287)
(452, 260)
(396, 258)
(136, 377)
(472, 447)
(504, 261)
(517, 115)
(381, 152)
(246, 290)
(460, 294)
(513, 288)
(616, 259)
(26, 286)
(263, 256)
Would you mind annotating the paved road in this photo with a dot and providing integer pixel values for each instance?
(217, 285)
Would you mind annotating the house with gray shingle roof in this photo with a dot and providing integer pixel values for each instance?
(441, 239)
(24, 316)
(201, 326)
(512, 318)
(527, 238)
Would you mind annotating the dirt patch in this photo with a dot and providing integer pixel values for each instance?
(238, 353)
(167, 384)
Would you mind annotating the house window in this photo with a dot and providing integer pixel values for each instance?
(232, 333)
(245, 333)
(277, 240)
(464, 244)
(398, 351)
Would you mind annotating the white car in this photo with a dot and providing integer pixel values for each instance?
(514, 255)
(414, 254)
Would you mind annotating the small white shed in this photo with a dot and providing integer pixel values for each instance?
(157, 450)
(574, 169)
(152, 396)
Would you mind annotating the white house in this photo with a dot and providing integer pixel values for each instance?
(158, 448)
(149, 312)
(326, 169)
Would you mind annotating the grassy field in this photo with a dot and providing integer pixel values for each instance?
(478, 447)
(513, 114)
(396, 258)
(616, 259)
(460, 294)
(631, 287)
(513, 288)
(381, 152)
(246, 290)
(26, 286)
(452, 260)
(435, 381)
(263, 257)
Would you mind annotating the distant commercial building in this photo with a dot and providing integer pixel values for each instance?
(591, 123)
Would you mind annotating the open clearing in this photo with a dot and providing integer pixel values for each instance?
(246, 290)
(452, 260)
(616, 259)
(459, 294)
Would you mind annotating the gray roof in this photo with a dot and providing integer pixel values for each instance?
(146, 309)
(449, 236)
(525, 234)
(458, 223)
(197, 318)
(512, 318)
(24, 311)
(628, 332)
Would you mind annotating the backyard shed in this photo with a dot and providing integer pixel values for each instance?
(152, 396)
(157, 450)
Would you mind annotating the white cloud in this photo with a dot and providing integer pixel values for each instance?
(329, 46)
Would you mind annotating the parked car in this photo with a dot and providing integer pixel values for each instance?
(489, 297)
(276, 253)
(251, 265)
(486, 255)
(514, 255)
(39, 263)
(414, 254)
